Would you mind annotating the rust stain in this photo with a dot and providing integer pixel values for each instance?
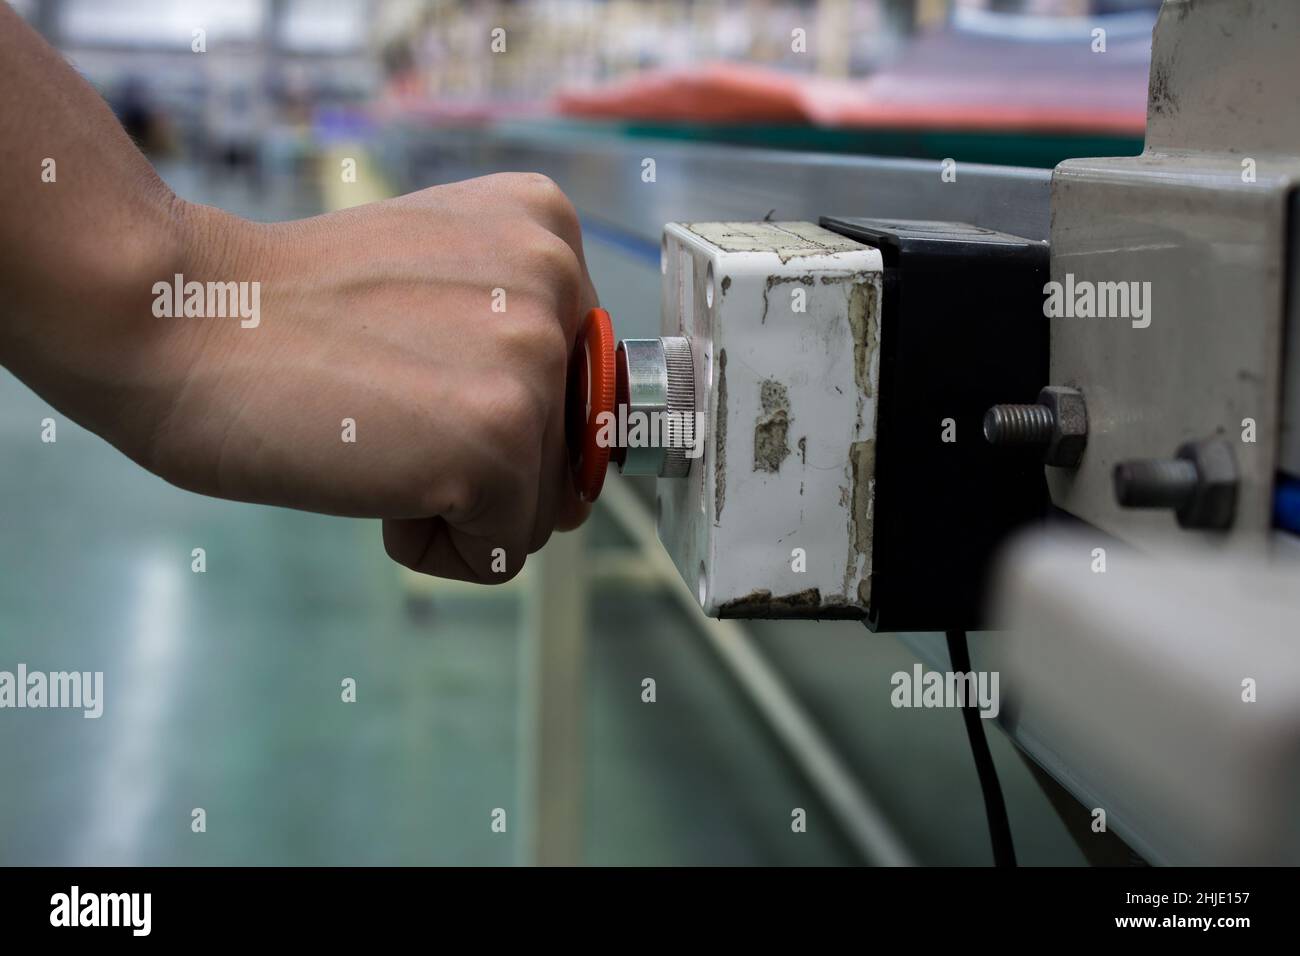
(772, 428)
(800, 604)
(866, 334)
(862, 468)
(720, 431)
(774, 281)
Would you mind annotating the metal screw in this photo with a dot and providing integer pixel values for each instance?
(1019, 425)
(1200, 484)
(1155, 483)
(1058, 422)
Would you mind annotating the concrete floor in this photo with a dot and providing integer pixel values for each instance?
(222, 689)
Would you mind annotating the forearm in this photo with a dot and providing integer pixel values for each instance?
(383, 374)
(86, 228)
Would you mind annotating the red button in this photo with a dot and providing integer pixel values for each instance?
(591, 391)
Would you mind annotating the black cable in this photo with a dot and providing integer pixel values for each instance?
(995, 808)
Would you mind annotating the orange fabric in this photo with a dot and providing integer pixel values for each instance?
(738, 93)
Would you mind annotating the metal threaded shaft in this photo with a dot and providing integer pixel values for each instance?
(1019, 425)
(1155, 483)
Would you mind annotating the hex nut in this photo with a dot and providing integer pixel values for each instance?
(1214, 503)
(1070, 425)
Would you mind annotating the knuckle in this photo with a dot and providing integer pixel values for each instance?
(535, 339)
(555, 257)
(542, 186)
(560, 207)
(557, 271)
(550, 203)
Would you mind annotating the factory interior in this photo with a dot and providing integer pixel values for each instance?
(278, 691)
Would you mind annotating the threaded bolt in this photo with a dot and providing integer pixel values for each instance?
(1155, 483)
(1199, 484)
(1057, 423)
(1019, 425)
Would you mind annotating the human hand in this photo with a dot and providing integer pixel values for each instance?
(433, 330)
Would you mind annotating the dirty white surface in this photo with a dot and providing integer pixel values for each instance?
(783, 320)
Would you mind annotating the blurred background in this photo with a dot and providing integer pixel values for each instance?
(223, 688)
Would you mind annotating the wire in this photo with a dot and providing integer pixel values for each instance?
(995, 808)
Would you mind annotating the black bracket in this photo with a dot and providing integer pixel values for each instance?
(962, 328)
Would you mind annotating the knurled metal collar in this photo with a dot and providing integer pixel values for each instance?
(660, 394)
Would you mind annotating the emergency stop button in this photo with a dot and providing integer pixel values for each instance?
(632, 402)
(590, 399)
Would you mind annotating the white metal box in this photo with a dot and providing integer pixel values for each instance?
(783, 319)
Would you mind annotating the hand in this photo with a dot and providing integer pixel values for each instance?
(380, 319)
(375, 324)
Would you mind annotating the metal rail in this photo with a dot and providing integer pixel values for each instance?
(605, 178)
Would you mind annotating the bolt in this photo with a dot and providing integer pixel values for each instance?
(1019, 425)
(1200, 484)
(1155, 483)
(1058, 422)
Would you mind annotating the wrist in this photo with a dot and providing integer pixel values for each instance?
(115, 350)
(198, 295)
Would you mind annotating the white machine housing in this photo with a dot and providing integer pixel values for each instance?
(783, 319)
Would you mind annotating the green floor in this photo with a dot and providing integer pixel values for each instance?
(222, 689)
